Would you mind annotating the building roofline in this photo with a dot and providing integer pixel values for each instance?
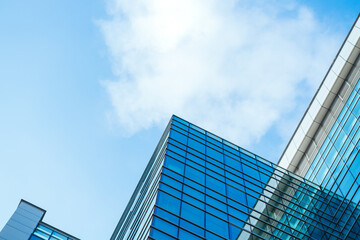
(46, 224)
(323, 99)
(31, 204)
(128, 207)
(59, 231)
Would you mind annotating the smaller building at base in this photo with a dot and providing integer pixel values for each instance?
(26, 224)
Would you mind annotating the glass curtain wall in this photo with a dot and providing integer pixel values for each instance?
(211, 189)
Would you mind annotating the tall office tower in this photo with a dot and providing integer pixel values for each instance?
(325, 146)
(26, 224)
(199, 186)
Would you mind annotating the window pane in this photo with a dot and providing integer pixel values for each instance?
(167, 216)
(196, 145)
(192, 214)
(192, 228)
(217, 226)
(159, 235)
(168, 203)
(165, 226)
(185, 235)
(195, 175)
(174, 165)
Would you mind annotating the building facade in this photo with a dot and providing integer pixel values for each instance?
(200, 186)
(325, 146)
(26, 224)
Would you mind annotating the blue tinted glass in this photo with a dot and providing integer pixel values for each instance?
(174, 165)
(236, 194)
(215, 184)
(356, 110)
(193, 201)
(195, 165)
(340, 140)
(234, 232)
(356, 197)
(217, 212)
(212, 236)
(173, 174)
(246, 154)
(165, 226)
(160, 235)
(195, 175)
(265, 167)
(215, 166)
(233, 154)
(180, 137)
(197, 134)
(355, 166)
(234, 180)
(188, 236)
(349, 123)
(197, 128)
(214, 154)
(166, 215)
(238, 215)
(215, 195)
(214, 140)
(33, 237)
(177, 120)
(176, 149)
(182, 147)
(194, 185)
(253, 186)
(170, 190)
(214, 147)
(172, 182)
(264, 178)
(194, 193)
(196, 156)
(192, 214)
(234, 163)
(175, 155)
(181, 128)
(45, 229)
(196, 145)
(168, 202)
(216, 203)
(217, 226)
(251, 200)
(59, 236)
(250, 170)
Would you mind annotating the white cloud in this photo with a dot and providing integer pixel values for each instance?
(232, 67)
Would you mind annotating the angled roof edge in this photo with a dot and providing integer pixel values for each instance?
(59, 231)
(32, 205)
(323, 99)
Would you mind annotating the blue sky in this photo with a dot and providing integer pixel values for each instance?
(77, 127)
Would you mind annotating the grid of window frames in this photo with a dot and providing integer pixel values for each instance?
(336, 167)
(43, 232)
(136, 219)
(209, 189)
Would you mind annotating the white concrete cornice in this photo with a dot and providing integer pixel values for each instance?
(323, 100)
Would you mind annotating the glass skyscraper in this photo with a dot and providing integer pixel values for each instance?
(200, 186)
(325, 146)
